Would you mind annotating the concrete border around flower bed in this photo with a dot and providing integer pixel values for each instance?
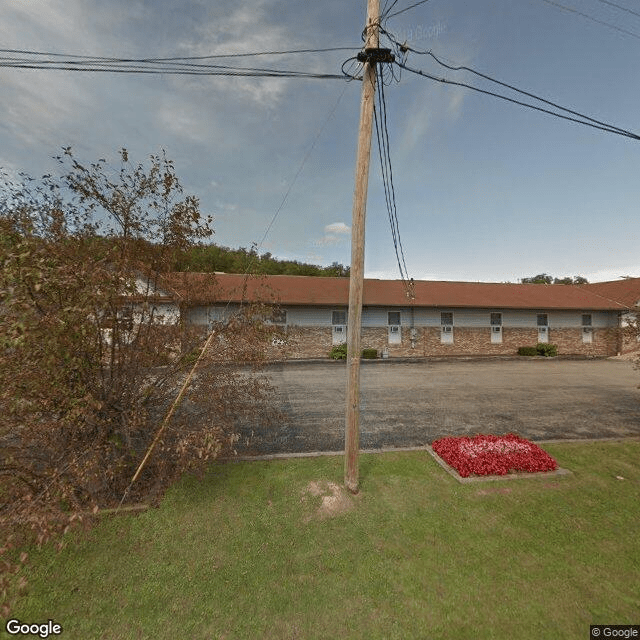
(509, 476)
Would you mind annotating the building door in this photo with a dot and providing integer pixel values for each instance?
(446, 327)
(395, 331)
(587, 328)
(338, 327)
(496, 328)
(543, 327)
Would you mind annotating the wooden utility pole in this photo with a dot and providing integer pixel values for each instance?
(352, 422)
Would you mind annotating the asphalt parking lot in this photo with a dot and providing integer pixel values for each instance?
(407, 404)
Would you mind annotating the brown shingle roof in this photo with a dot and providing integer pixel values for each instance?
(207, 288)
(626, 292)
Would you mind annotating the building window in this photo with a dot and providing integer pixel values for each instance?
(446, 318)
(125, 318)
(496, 328)
(543, 320)
(393, 318)
(279, 316)
(446, 327)
(587, 328)
(338, 318)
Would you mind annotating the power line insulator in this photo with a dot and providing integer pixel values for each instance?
(374, 55)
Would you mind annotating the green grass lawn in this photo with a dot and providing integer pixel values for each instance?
(250, 552)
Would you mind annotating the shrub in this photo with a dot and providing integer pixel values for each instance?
(339, 352)
(369, 354)
(527, 351)
(547, 350)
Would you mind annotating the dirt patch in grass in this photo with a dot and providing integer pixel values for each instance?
(335, 499)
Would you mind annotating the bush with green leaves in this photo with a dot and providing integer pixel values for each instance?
(339, 352)
(369, 354)
(547, 350)
(527, 351)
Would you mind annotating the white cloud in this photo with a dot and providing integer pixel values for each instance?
(334, 234)
(248, 27)
(337, 227)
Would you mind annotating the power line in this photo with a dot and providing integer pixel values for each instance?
(382, 134)
(509, 86)
(617, 6)
(206, 70)
(386, 11)
(176, 58)
(38, 60)
(304, 160)
(607, 128)
(588, 17)
(402, 49)
(397, 13)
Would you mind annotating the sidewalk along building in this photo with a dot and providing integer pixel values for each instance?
(429, 318)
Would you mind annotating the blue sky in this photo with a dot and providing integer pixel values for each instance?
(486, 190)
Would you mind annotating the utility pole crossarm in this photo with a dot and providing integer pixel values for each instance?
(352, 420)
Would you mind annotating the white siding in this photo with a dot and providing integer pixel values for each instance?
(377, 316)
(216, 313)
(422, 316)
(310, 316)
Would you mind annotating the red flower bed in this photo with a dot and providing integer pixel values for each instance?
(493, 455)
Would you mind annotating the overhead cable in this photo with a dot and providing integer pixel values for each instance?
(512, 87)
(588, 17)
(617, 6)
(177, 58)
(382, 135)
(397, 13)
(23, 59)
(606, 127)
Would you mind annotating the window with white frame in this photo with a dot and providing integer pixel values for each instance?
(393, 318)
(446, 327)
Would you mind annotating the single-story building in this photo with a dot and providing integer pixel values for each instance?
(428, 318)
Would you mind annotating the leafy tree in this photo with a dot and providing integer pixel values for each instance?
(545, 278)
(208, 258)
(91, 354)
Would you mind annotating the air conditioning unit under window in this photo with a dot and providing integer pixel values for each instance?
(496, 329)
(394, 328)
(338, 329)
(447, 329)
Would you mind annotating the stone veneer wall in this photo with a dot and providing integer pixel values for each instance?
(315, 342)
(301, 342)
